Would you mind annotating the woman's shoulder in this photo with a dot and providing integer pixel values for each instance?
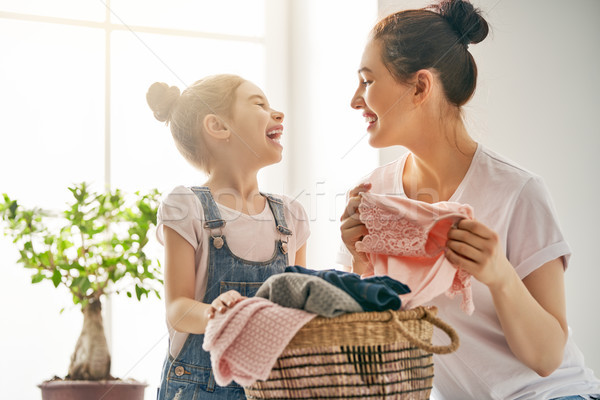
(509, 181)
(504, 166)
(383, 179)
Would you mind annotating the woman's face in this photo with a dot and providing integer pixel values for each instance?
(385, 102)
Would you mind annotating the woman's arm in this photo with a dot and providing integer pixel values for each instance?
(183, 312)
(532, 311)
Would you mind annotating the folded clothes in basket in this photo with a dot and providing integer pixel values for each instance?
(376, 293)
(245, 341)
(309, 293)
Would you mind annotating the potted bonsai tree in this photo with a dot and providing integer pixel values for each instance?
(97, 242)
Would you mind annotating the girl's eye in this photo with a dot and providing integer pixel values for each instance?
(365, 83)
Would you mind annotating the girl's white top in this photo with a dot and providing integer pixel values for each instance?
(181, 211)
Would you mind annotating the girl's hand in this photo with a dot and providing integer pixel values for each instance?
(353, 229)
(476, 248)
(224, 302)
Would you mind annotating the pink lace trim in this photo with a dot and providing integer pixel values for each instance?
(390, 234)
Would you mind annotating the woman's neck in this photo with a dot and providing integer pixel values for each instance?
(434, 170)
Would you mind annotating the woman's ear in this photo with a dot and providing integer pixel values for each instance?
(423, 86)
(215, 127)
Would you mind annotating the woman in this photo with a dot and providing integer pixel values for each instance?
(415, 75)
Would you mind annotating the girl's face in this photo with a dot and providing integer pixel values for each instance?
(256, 127)
(385, 103)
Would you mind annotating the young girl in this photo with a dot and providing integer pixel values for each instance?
(224, 238)
(415, 75)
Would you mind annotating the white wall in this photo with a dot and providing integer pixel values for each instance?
(537, 103)
(327, 152)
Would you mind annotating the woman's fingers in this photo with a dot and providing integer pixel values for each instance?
(363, 187)
(354, 200)
(351, 208)
(476, 228)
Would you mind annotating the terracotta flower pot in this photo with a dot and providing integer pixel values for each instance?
(92, 390)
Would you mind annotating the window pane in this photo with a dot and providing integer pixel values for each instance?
(52, 80)
(232, 17)
(77, 9)
(143, 152)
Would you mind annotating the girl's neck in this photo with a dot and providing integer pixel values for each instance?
(237, 191)
(434, 170)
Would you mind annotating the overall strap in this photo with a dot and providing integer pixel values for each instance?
(277, 207)
(212, 216)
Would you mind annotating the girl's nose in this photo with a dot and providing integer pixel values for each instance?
(277, 116)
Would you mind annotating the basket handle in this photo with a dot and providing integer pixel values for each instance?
(435, 321)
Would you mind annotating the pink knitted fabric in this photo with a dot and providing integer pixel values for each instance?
(245, 341)
(406, 241)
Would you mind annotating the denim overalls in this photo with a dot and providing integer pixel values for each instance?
(189, 376)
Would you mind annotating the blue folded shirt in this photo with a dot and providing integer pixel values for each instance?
(375, 293)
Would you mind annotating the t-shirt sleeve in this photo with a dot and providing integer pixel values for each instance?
(534, 235)
(299, 219)
(181, 211)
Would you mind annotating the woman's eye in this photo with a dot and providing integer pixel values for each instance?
(365, 83)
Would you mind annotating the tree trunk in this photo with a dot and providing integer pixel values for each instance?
(91, 359)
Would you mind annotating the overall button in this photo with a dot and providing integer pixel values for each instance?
(284, 248)
(218, 242)
(179, 370)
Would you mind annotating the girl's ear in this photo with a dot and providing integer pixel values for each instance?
(215, 127)
(423, 86)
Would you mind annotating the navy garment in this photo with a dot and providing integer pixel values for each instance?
(375, 293)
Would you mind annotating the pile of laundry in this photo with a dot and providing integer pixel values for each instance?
(245, 342)
(405, 246)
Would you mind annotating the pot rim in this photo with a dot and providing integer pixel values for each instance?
(106, 382)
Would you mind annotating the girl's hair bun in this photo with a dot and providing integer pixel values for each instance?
(161, 98)
(465, 19)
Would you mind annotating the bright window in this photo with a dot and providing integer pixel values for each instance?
(74, 76)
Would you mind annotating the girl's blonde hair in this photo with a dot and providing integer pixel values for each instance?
(185, 112)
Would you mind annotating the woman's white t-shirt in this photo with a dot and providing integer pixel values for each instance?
(251, 237)
(516, 204)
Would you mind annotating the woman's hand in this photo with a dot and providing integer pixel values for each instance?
(224, 302)
(353, 229)
(476, 248)
(532, 311)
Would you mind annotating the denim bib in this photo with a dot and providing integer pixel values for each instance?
(189, 376)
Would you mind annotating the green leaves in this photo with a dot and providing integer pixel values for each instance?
(95, 246)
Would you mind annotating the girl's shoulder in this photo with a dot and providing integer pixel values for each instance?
(181, 202)
(290, 205)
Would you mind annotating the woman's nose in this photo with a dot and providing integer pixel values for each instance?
(357, 101)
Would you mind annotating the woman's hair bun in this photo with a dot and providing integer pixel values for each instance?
(161, 98)
(465, 19)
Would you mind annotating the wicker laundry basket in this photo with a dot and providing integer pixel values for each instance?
(382, 355)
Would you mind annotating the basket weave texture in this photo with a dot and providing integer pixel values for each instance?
(384, 355)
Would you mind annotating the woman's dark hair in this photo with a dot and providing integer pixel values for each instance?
(436, 37)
